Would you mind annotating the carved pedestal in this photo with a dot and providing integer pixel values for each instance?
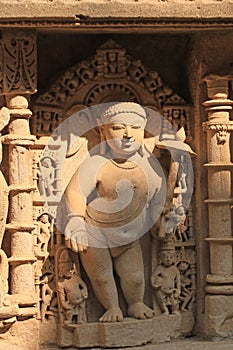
(219, 299)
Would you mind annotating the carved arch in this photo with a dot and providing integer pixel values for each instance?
(110, 75)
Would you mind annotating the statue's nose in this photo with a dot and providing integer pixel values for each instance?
(128, 132)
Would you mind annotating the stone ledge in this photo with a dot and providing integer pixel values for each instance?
(78, 11)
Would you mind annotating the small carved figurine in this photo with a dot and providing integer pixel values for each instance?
(47, 294)
(72, 291)
(44, 232)
(47, 176)
(166, 281)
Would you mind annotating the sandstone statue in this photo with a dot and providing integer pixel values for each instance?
(113, 198)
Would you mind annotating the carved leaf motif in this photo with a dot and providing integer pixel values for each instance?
(19, 63)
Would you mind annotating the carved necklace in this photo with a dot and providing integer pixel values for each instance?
(127, 166)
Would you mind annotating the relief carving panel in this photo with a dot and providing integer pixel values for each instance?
(111, 75)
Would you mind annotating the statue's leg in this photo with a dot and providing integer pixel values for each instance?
(161, 300)
(97, 262)
(129, 266)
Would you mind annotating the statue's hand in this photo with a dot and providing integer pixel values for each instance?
(76, 237)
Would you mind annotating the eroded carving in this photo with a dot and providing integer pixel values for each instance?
(72, 291)
(19, 63)
(44, 232)
(47, 176)
(166, 280)
(110, 62)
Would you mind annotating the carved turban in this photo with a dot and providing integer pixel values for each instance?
(123, 108)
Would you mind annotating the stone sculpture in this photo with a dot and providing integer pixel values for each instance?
(106, 229)
(166, 280)
(47, 176)
(44, 226)
(72, 291)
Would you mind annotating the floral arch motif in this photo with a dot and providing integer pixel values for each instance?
(110, 75)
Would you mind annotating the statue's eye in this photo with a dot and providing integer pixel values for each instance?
(136, 127)
(118, 127)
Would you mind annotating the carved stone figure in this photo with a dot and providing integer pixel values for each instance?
(72, 291)
(44, 226)
(166, 280)
(47, 294)
(47, 176)
(111, 199)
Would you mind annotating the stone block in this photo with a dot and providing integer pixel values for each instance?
(219, 316)
(166, 328)
(130, 332)
(86, 335)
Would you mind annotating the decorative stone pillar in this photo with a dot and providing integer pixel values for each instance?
(219, 289)
(18, 71)
(20, 212)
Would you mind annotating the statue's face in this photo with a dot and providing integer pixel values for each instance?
(125, 134)
(44, 218)
(167, 258)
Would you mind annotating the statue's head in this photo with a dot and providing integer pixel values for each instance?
(167, 255)
(122, 127)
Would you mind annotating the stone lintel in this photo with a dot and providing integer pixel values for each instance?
(82, 12)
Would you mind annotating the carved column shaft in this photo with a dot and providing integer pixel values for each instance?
(20, 212)
(18, 71)
(219, 165)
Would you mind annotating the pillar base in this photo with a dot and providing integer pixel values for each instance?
(218, 316)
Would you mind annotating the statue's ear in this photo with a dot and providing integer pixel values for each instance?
(100, 125)
(75, 147)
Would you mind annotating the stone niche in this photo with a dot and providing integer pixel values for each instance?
(111, 75)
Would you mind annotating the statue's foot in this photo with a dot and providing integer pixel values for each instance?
(112, 315)
(175, 312)
(141, 311)
(165, 313)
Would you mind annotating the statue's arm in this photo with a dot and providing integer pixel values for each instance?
(79, 188)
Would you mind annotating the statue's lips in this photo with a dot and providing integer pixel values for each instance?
(127, 143)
